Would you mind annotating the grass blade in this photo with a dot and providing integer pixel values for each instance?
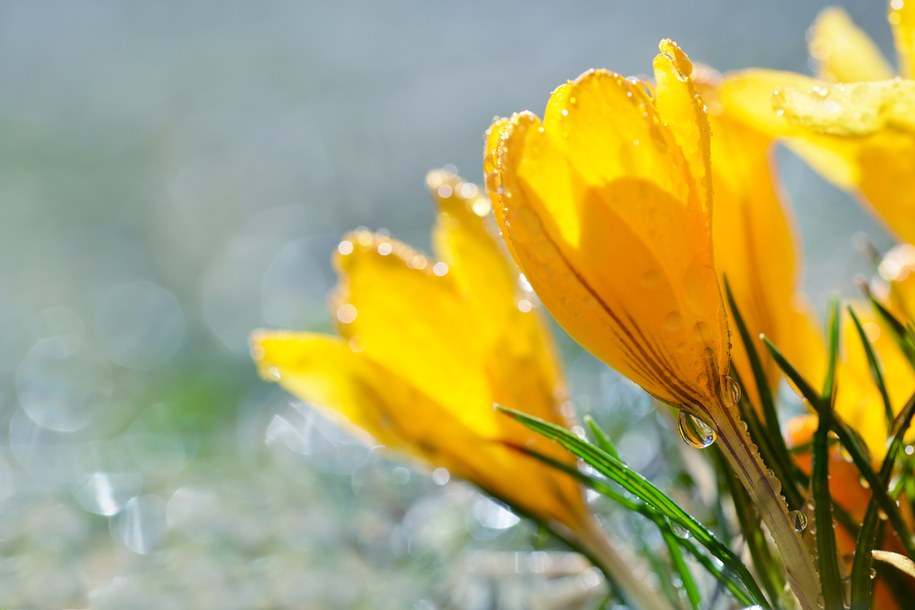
(600, 437)
(855, 447)
(603, 487)
(827, 555)
(873, 363)
(861, 583)
(640, 487)
(902, 335)
(779, 448)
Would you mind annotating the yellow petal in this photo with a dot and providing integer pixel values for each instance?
(754, 242)
(682, 108)
(858, 136)
(606, 220)
(854, 109)
(369, 397)
(403, 310)
(749, 96)
(520, 362)
(902, 20)
(842, 51)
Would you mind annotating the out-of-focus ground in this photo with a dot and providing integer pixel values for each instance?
(174, 175)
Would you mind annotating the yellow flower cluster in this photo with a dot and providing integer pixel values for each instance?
(624, 207)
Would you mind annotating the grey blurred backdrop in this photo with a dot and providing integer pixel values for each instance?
(174, 175)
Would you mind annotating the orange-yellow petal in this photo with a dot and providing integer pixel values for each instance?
(842, 51)
(605, 218)
(902, 21)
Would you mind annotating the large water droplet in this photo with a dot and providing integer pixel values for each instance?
(798, 520)
(694, 431)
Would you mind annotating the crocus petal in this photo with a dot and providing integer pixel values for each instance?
(754, 242)
(361, 395)
(368, 397)
(860, 136)
(852, 109)
(598, 204)
(902, 20)
(399, 309)
(842, 51)
(521, 364)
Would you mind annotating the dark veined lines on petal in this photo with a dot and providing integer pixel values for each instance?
(648, 362)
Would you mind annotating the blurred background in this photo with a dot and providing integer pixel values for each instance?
(174, 175)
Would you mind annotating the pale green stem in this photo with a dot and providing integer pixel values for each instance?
(764, 490)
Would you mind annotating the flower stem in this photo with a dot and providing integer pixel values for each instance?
(764, 490)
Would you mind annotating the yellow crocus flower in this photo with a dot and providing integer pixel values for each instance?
(606, 205)
(425, 348)
(854, 124)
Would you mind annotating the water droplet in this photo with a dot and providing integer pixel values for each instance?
(680, 531)
(440, 269)
(694, 431)
(798, 520)
(873, 573)
(273, 374)
(385, 248)
(733, 389)
(525, 306)
(345, 247)
(565, 112)
(820, 91)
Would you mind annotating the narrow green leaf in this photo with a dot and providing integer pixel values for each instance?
(672, 541)
(855, 447)
(861, 583)
(640, 487)
(827, 557)
(802, 385)
(667, 533)
(832, 330)
(600, 437)
(873, 364)
(779, 450)
(902, 335)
